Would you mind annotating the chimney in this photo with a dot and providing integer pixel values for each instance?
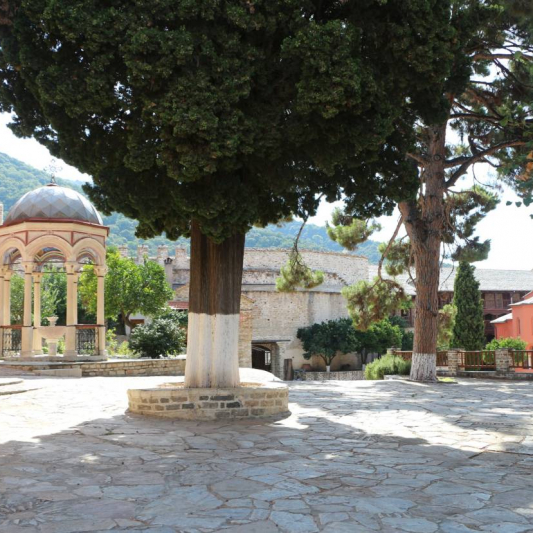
(123, 250)
(162, 253)
(142, 250)
(181, 260)
(1, 213)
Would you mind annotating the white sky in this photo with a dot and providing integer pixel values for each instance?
(510, 228)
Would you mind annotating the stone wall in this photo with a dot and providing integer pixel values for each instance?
(349, 375)
(172, 400)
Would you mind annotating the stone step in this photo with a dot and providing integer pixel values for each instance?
(4, 382)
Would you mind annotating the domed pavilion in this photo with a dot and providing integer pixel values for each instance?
(51, 224)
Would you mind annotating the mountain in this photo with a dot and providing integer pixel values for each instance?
(17, 178)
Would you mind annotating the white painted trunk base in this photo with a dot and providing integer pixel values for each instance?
(424, 367)
(212, 351)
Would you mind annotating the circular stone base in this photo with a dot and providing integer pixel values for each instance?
(173, 400)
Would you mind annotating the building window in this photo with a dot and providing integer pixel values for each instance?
(499, 300)
(489, 301)
(518, 325)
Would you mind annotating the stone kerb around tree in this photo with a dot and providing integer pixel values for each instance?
(174, 400)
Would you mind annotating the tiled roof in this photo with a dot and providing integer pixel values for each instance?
(502, 319)
(489, 279)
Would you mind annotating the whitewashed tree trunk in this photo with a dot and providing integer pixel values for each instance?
(328, 368)
(424, 367)
(214, 309)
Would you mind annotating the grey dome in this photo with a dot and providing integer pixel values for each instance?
(55, 203)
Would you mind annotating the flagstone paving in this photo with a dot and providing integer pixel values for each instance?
(353, 457)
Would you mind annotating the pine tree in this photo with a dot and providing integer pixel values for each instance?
(469, 327)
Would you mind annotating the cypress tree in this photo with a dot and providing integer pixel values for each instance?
(469, 327)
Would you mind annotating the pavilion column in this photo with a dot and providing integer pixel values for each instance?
(27, 328)
(37, 339)
(6, 302)
(72, 310)
(2, 271)
(100, 309)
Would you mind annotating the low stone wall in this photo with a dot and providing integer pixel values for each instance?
(137, 367)
(173, 400)
(128, 367)
(346, 375)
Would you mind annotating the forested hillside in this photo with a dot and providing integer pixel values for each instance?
(17, 178)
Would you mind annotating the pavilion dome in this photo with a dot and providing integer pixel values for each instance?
(53, 202)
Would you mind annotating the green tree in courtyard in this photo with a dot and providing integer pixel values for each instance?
(328, 339)
(469, 326)
(202, 118)
(489, 91)
(129, 288)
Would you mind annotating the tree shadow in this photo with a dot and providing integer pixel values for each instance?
(372, 457)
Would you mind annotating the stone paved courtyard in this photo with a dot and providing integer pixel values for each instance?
(353, 457)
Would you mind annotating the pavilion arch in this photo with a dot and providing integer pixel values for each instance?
(13, 243)
(49, 241)
(89, 246)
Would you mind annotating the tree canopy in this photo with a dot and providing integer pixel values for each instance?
(129, 288)
(230, 113)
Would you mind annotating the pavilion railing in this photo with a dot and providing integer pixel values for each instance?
(521, 359)
(87, 339)
(477, 360)
(10, 341)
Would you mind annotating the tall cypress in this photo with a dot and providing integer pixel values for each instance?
(469, 327)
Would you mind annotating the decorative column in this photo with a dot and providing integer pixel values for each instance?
(27, 329)
(2, 270)
(37, 339)
(72, 310)
(101, 271)
(6, 303)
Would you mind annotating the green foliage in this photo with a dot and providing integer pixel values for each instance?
(408, 339)
(116, 348)
(380, 336)
(349, 231)
(239, 113)
(129, 288)
(464, 211)
(511, 343)
(328, 339)
(469, 326)
(446, 324)
(371, 302)
(398, 256)
(386, 366)
(160, 338)
(50, 298)
(295, 273)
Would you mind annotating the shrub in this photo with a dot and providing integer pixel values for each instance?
(160, 338)
(386, 365)
(511, 343)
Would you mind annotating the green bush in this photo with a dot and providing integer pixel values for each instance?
(387, 365)
(511, 343)
(159, 338)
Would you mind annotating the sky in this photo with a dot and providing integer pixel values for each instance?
(510, 228)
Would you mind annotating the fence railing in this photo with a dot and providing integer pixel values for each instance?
(522, 359)
(478, 360)
(86, 339)
(442, 356)
(10, 341)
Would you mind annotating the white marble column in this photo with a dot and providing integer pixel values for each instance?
(37, 339)
(100, 272)
(72, 310)
(27, 329)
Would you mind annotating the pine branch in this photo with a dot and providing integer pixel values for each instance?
(467, 161)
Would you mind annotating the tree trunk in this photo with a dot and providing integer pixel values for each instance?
(214, 308)
(424, 222)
